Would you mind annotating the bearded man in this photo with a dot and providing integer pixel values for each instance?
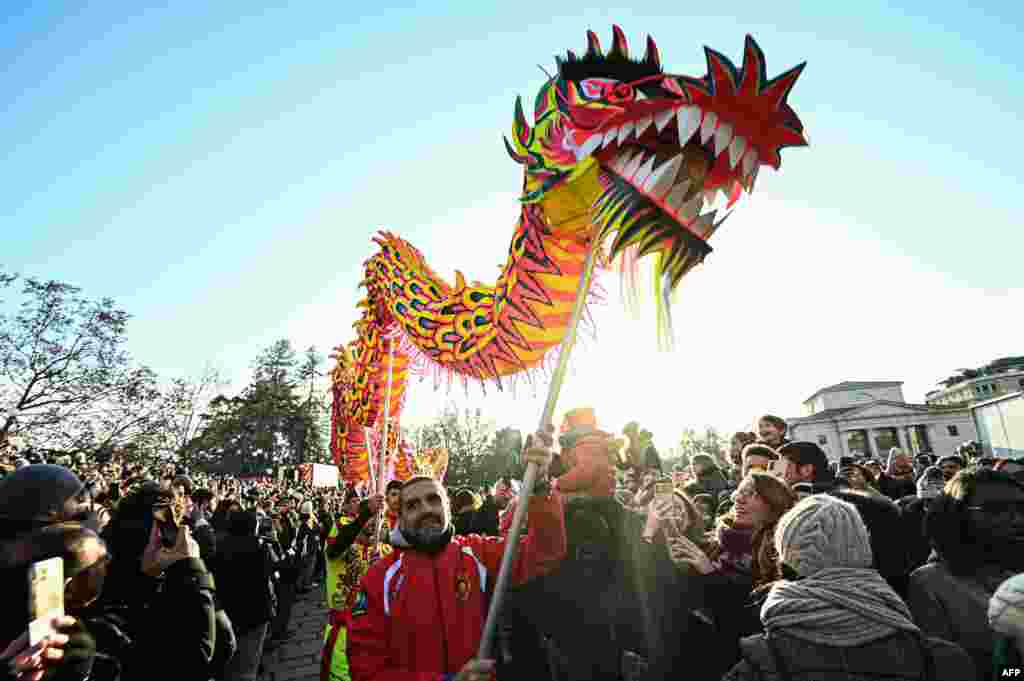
(420, 611)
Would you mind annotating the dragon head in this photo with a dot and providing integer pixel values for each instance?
(668, 150)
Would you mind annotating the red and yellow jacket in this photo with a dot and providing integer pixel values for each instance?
(419, 617)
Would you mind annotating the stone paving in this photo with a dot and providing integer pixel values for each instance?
(298, 658)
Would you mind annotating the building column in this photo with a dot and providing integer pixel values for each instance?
(901, 441)
(844, 446)
(925, 438)
(872, 445)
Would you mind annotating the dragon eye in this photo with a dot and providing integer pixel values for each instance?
(623, 92)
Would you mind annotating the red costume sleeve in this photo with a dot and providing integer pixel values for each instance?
(540, 551)
(369, 637)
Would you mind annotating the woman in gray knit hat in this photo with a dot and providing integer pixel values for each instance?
(1006, 617)
(833, 616)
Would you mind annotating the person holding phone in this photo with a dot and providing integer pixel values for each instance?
(158, 583)
(69, 651)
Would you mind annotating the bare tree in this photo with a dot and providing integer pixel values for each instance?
(187, 400)
(65, 378)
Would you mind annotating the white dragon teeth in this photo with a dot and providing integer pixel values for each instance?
(662, 118)
(688, 121)
(621, 161)
(723, 136)
(644, 171)
(632, 166)
(708, 126)
(640, 168)
(661, 180)
(736, 149)
(589, 147)
(610, 137)
(749, 161)
(626, 130)
(643, 124)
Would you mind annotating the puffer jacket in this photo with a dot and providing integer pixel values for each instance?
(895, 658)
(956, 608)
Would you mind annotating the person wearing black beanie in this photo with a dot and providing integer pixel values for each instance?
(38, 495)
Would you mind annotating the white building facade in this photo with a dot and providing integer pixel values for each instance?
(975, 390)
(857, 418)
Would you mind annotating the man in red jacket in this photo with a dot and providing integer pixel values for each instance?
(420, 611)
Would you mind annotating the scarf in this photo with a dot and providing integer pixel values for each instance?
(736, 545)
(840, 607)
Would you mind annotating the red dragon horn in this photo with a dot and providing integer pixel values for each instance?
(652, 57)
(619, 45)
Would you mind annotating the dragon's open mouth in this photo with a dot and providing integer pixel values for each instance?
(665, 159)
(672, 151)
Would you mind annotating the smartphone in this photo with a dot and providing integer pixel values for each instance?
(46, 597)
(166, 526)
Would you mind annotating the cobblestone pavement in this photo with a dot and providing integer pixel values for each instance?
(298, 658)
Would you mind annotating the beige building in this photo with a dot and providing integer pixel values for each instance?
(974, 390)
(855, 418)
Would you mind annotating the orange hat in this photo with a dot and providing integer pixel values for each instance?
(579, 419)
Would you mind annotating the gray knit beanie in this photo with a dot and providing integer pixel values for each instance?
(1006, 609)
(822, 532)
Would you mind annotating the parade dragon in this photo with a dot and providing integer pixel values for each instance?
(622, 157)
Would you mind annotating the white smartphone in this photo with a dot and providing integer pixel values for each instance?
(46, 597)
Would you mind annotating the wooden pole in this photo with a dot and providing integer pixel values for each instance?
(530, 477)
(384, 440)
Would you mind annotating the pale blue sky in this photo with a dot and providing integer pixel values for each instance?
(219, 169)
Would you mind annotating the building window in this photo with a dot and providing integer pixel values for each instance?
(1020, 382)
(953, 431)
(886, 439)
(822, 440)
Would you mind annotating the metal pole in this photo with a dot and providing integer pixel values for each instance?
(368, 433)
(384, 438)
(530, 477)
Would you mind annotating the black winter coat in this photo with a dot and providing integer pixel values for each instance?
(894, 488)
(912, 513)
(888, 543)
(168, 631)
(244, 569)
(485, 520)
(900, 657)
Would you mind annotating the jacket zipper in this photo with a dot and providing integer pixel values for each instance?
(440, 610)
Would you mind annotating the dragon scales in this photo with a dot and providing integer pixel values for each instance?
(619, 151)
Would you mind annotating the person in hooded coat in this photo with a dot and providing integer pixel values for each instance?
(832, 617)
(977, 530)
